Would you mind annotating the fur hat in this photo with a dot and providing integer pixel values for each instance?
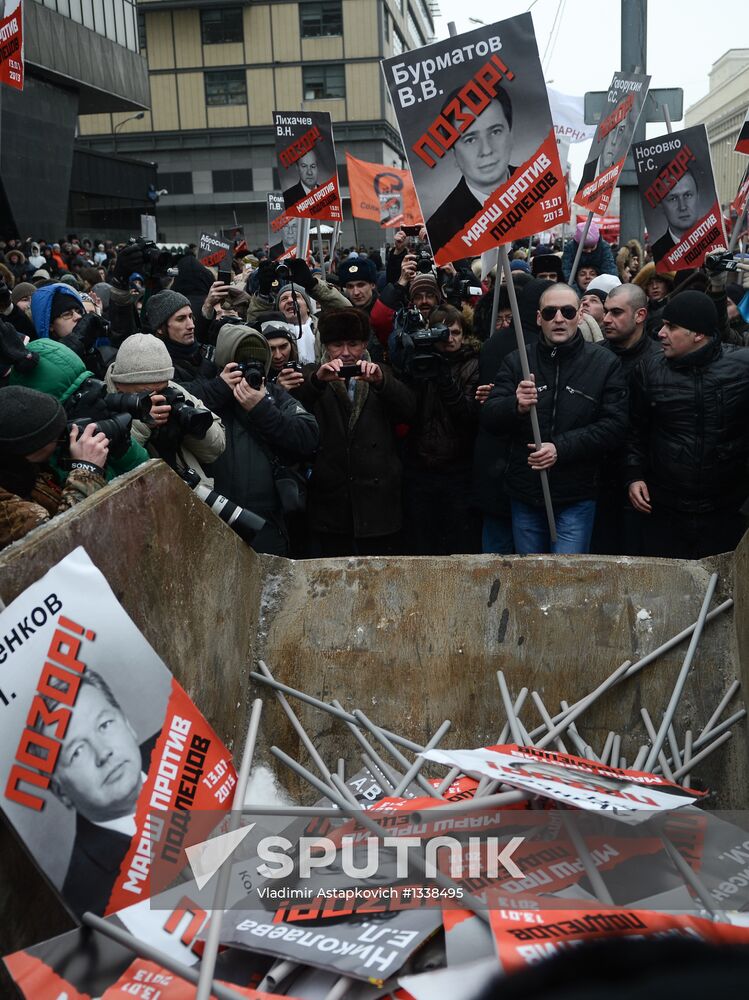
(647, 272)
(358, 269)
(142, 358)
(344, 324)
(546, 262)
(28, 420)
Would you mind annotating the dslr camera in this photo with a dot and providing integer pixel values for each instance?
(155, 260)
(185, 416)
(424, 258)
(253, 372)
(420, 358)
(112, 412)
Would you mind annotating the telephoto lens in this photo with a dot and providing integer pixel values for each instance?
(243, 521)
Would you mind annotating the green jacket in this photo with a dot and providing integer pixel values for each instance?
(60, 373)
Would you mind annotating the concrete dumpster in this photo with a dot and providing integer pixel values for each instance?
(410, 641)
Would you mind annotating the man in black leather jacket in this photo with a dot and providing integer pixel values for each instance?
(581, 398)
(689, 441)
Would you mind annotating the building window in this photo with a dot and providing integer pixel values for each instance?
(398, 43)
(222, 25)
(141, 31)
(320, 17)
(386, 25)
(416, 32)
(225, 86)
(232, 180)
(177, 182)
(323, 81)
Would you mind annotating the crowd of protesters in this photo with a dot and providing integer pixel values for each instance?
(370, 408)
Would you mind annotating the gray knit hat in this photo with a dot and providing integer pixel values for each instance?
(142, 358)
(28, 420)
(23, 290)
(291, 287)
(162, 306)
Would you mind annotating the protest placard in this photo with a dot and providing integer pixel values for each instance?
(385, 195)
(11, 44)
(624, 102)
(678, 196)
(474, 115)
(307, 165)
(631, 796)
(106, 765)
(216, 252)
(283, 229)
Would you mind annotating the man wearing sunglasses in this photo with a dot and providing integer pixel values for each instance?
(580, 395)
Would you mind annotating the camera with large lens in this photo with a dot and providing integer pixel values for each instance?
(112, 412)
(185, 415)
(253, 371)
(155, 260)
(243, 521)
(93, 398)
(418, 342)
(116, 430)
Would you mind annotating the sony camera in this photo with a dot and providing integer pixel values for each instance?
(116, 430)
(420, 358)
(253, 372)
(185, 415)
(243, 521)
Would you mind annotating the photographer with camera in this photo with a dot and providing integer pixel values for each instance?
(32, 488)
(441, 366)
(268, 433)
(291, 288)
(59, 313)
(61, 373)
(355, 489)
(178, 428)
(285, 368)
(169, 317)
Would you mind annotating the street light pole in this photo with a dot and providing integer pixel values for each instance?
(137, 117)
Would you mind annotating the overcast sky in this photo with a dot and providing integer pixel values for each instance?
(684, 41)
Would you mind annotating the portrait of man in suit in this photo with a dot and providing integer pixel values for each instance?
(482, 154)
(99, 773)
(308, 168)
(681, 208)
(288, 240)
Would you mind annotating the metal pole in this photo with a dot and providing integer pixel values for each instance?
(210, 951)
(392, 749)
(520, 341)
(321, 251)
(147, 951)
(417, 765)
(579, 253)
(547, 720)
(634, 38)
(584, 703)
(338, 713)
(517, 734)
(682, 677)
(732, 689)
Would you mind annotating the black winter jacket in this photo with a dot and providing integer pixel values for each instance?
(582, 409)
(689, 435)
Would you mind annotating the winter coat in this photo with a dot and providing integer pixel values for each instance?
(61, 373)
(600, 257)
(356, 477)
(31, 494)
(277, 428)
(197, 375)
(181, 451)
(582, 410)
(689, 437)
(444, 430)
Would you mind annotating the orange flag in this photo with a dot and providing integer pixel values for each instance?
(384, 194)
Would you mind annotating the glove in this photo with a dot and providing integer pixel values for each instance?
(266, 274)
(301, 275)
(13, 350)
(88, 329)
(129, 261)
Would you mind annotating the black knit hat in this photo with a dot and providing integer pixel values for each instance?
(343, 324)
(28, 420)
(694, 311)
(62, 303)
